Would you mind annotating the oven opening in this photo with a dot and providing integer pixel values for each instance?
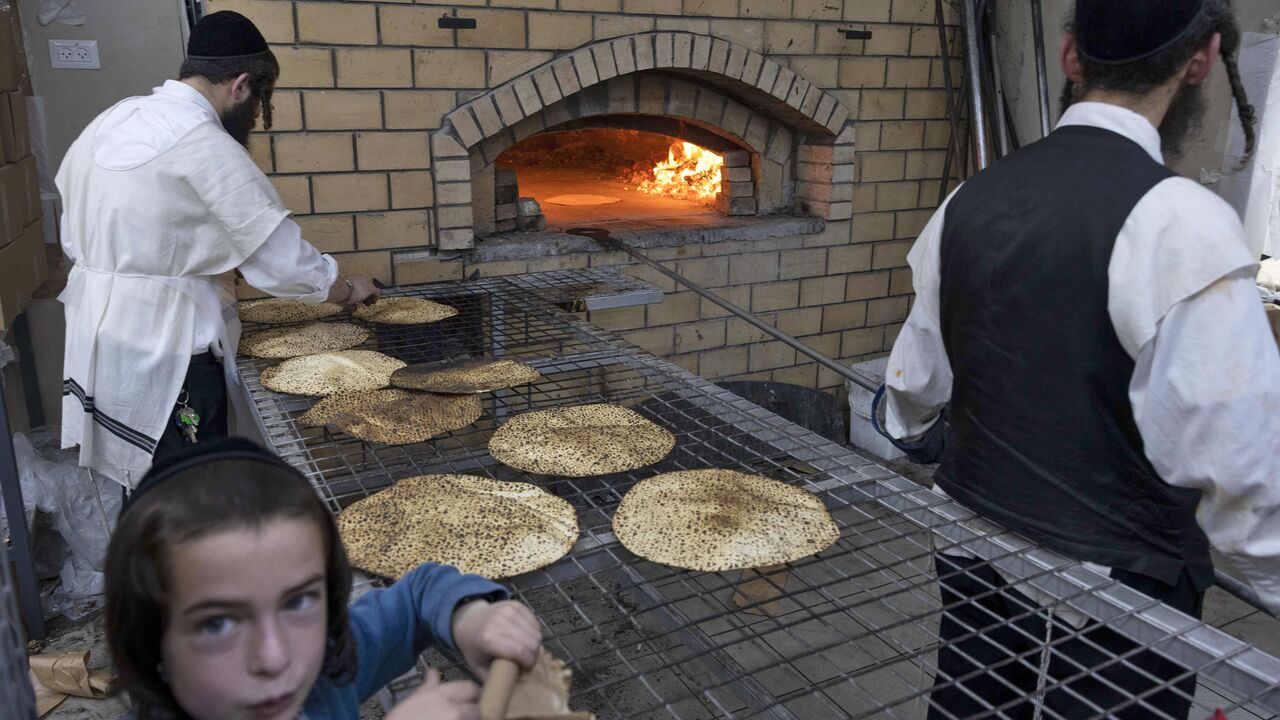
(587, 175)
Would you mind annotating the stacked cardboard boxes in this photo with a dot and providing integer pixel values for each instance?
(23, 264)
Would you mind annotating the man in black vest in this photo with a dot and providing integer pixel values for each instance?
(1089, 322)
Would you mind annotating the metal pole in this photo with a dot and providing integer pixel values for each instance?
(19, 540)
(957, 146)
(604, 238)
(1241, 590)
(1002, 122)
(1042, 74)
(953, 112)
(973, 68)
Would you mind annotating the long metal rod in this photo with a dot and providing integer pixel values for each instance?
(997, 86)
(957, 147)
(1240, 590)
(953, 108)
(973, 68)
(1042, 73)
(19, 539)
(604, 238)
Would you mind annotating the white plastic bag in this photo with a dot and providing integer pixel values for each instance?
(82, 515)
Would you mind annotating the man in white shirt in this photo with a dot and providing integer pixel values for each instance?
(161, 199)
(1088, 357)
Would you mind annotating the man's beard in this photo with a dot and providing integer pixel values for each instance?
(239, 120)
(1183, 117)
(1185, 113)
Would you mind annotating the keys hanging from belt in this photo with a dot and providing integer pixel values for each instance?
(186, 418)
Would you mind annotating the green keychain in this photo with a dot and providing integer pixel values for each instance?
(187, 418)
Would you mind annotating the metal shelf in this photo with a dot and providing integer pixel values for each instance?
(856, 631)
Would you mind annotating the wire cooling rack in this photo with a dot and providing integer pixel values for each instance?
(852, 631)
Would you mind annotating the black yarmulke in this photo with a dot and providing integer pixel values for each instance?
(225, 34)
(193, 456)
(1114, 32)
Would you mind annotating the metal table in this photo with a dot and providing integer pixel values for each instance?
(849, 632)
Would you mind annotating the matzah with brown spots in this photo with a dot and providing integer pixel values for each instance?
(329, 373)
(287, 342)
(714, 520)
(487, 527)
(580, 441)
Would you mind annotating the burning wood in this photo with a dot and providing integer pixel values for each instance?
(690, 173)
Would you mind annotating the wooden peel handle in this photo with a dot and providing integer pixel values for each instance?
(497, 689)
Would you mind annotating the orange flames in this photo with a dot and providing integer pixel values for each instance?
(689, 173)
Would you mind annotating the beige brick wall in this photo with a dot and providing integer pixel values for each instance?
(364, 86)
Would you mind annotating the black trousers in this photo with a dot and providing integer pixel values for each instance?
(989, 663)
(206, 388)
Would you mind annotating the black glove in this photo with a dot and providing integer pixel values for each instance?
(928, 449)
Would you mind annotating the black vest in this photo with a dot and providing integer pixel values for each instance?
(1042, 438)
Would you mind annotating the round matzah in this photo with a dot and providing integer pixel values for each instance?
(580, 441)
(290, 342)
(576, 200)
(490, 528)
(275, 311)
(713, 520)
(329, 373)
(394, 417)
(404, 311)
(471, 377)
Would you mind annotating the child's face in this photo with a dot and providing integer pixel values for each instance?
(246, 630)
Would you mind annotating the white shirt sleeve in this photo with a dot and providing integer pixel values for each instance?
(918, 376)
(1206, 398)
(290, 267)
(1205, 390)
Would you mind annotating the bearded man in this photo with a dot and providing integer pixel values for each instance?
(1088, 357)
(161, 199)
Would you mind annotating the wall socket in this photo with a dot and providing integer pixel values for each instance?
(74, 54)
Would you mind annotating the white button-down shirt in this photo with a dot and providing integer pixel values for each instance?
(1205, 389)
(160, 204)
(284, 266)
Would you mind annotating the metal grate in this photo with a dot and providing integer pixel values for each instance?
(15, 685)
(855, 628)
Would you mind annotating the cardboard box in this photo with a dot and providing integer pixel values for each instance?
(8, 139)
(13, 203)
(23, 267)
(11, 61)
(31, 181)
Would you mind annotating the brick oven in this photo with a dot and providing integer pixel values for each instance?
(804, 139)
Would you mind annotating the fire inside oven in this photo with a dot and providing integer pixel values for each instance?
(603, 174)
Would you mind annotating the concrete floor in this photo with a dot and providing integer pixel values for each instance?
(792, 681)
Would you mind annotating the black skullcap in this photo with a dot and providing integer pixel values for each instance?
(178, 463)
(223, 35)
(1115, 32)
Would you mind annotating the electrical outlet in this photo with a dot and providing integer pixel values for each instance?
(74, 54)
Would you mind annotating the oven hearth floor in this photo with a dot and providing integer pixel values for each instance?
(632, 205)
